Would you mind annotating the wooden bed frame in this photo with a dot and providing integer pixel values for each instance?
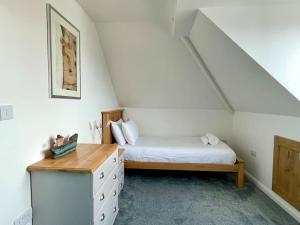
(107, 138)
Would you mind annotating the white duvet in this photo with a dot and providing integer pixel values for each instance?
(178, 150)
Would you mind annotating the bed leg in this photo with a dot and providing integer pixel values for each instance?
(240, 174)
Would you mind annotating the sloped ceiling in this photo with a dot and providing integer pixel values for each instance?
(151, 68)
(247, 86)
(270, 34)
(186, 10)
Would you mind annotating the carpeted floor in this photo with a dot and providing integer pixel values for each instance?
(188, 198)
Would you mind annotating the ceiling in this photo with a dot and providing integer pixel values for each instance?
(175, 15)
(246, 84)
(151, 69)
(186, 10)
(154, 11)
(140, 39)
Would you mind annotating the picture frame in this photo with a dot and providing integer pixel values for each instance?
(64, 56)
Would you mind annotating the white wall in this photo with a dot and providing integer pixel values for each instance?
(269, 33)
(256, 132)
(24, 83)
(182, 122)
(151, 69)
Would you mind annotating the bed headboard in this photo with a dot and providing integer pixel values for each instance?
(107, 116)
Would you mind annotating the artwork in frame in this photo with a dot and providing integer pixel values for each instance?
(64, 56)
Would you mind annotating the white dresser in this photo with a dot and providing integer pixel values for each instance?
(81, 188)
(121, 170)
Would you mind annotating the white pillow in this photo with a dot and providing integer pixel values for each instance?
(117, 132)
(130, 131)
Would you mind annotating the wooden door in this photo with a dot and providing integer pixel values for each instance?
(286, 170)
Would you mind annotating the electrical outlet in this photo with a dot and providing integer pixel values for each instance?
(25, 218)
(253, 153)
(6, 112)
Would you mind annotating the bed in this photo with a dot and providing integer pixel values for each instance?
(170, 153)
(178, 150)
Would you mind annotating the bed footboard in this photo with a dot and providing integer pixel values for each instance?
(237, 168)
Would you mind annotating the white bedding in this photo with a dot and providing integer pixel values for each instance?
(178, 150)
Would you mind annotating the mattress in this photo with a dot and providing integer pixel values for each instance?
(178, 150)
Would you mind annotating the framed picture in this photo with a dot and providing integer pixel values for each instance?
(64, 56)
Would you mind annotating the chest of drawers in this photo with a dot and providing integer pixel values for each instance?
(121, 170)
(81, 188)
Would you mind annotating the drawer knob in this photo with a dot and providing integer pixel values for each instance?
(102, 217)
(101, 175)
(115, 160)
(115, 193)
(115, 209)
(102, 197)
(115, 176)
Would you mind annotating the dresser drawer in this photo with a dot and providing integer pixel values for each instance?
(121, 170)
(103, 172)
(121, 178)
(106, 214)
(103, 193)
(121, 159)
(114, 209)
(121, 183)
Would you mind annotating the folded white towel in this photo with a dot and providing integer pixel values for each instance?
(212, 139)
(204, 140)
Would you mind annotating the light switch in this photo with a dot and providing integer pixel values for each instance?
(6, 112)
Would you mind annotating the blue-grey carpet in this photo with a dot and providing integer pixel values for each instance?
(189, 198)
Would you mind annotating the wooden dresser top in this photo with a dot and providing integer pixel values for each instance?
(86, 159)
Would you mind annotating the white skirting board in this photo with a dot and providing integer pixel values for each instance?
(275, 197)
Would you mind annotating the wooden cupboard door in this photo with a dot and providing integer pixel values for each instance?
(283, 180)
(296, 179)
(286, 170)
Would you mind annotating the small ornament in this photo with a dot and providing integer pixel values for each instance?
(62, 146)
(59, 141)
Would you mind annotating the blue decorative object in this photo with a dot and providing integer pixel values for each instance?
(62, 147)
